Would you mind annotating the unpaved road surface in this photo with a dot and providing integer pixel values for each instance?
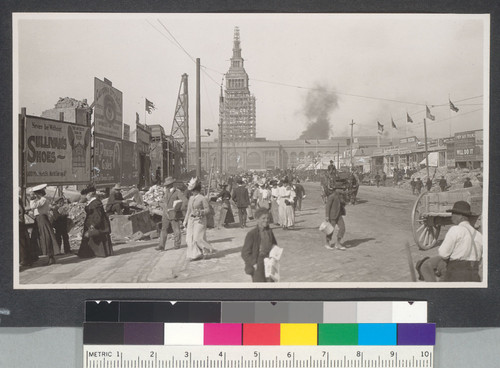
(377, 229)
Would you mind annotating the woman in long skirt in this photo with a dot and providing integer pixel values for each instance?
(96, 239)
(28, 251)
(281, 204)
(43, 233)
(289, 198)
(196, 223)
(226, 214)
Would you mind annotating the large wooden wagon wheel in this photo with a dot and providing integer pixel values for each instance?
(425, 230)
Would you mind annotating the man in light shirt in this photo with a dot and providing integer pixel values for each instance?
(461, 250)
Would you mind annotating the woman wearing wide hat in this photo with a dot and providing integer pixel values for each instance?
(96, 239)
(43, 233)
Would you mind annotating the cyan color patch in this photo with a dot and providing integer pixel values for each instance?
(377, 334)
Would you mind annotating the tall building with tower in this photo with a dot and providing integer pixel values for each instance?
(237, 104)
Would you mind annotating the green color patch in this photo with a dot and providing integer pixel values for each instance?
(338, 334)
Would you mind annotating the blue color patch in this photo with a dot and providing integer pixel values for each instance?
(377, 334)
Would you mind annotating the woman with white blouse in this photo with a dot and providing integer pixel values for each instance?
(196, 223)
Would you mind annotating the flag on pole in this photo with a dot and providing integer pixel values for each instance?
(408, 119)
(137, 118)
(453, 107)
(393, 125)
(428, 113)
(150, 106)
(307, 142)
(380, 128)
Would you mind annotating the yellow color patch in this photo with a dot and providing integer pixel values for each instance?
(299, 334)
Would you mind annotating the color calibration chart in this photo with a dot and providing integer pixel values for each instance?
(159, 334)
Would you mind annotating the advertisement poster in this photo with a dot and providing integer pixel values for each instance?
(108, 110)
(56, 152)
(130, 164)
(107, 161)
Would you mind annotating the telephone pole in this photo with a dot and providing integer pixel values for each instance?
(352, 127)
(198, 121)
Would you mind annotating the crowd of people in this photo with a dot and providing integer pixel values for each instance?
(266, 198)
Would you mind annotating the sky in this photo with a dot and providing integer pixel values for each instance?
(376, 67)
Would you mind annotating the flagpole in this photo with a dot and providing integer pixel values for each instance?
(406, 125)
(145, 112)
(426, 152)
(449, 114)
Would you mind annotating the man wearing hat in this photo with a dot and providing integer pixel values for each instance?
(242, 200)
(116, 203)
(462, 249)
(334, 210)
(60, 224)
(174, 202)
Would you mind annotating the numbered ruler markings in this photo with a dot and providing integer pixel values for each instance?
(158, 356)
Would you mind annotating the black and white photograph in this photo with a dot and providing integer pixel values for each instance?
(250, 150)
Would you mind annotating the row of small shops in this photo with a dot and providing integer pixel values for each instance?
(463, 150)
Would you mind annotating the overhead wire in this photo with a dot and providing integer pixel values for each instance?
(204, 69)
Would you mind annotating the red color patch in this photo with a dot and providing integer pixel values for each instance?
(261, 334)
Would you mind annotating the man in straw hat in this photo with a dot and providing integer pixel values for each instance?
(460, 253)
(174, 201)
(116, 203)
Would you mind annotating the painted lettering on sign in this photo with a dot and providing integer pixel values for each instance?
(56, 152)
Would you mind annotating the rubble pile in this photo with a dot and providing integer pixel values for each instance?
(454, 177)
(153, 198)
(76, 212)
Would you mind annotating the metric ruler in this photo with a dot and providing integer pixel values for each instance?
(162, 356)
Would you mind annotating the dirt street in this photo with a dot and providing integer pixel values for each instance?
(377, 229)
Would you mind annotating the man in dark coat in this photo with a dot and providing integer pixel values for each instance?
(334, 210)
(443, 184)
(418, 185)
(242, 200)
(116, 203)
(172, 214)
(60, 224)
(96, 239)
(428, 184)
(467, 183)
(300, 192)
(258, 243)
(413, 185)
(377, 179)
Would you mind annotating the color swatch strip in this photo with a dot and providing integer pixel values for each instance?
(283, 334)
(256, 312)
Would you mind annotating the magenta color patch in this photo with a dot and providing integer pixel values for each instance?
(222, 334)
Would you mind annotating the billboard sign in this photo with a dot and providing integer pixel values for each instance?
(130, 164)
(107, 161)
(466, 147)
(108, 109)
(56, 152)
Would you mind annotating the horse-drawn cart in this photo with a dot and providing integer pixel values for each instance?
(429, 213)
(340, 181)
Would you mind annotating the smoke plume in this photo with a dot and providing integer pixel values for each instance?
(319, 103)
